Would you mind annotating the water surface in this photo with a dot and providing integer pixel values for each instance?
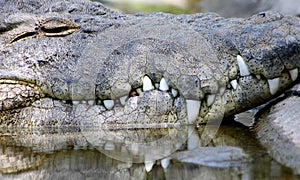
(120, 153)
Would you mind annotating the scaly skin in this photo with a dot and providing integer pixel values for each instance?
(52, 61)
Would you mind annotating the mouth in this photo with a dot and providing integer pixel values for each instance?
(148, 104)
(153, 102)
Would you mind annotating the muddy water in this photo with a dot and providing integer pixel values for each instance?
(208, 152)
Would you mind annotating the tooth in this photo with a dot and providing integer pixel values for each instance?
(210, 99)
(64, 101)
(123, 100)
(149, 165)
(258, 76)
(294, 74)
(165, 163)
(147, 84)
(75, 102)
(193, 107)
(109, 104)
(163, 86)
(234, 83)
(244, 71)
(273, 85)
(174, 92)
(91, 102)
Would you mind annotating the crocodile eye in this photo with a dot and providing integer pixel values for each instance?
(57, 27)
(54, 30)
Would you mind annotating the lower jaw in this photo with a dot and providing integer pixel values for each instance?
(47, 112)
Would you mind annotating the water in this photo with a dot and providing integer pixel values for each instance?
(122, 154)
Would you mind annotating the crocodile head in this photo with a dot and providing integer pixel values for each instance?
(136, 68)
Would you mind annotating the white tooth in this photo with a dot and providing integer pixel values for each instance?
(210, 99)
(163, 86)
(222, 90)
(75, 102)
(258, 76)
(294, 74)
(244, 71)
(91, 102)
(234, 83)
(149, 165)
(156, 85)
(273, 85)
(64, 101)
(165, 163)
(109, 104)
(147, 84)
(193, 107)
(139, 91)
(174, 92)
(123, 100)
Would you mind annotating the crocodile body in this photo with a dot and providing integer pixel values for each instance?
(81, 60)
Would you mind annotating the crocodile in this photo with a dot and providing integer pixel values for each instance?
(72, 62)
(80, 63)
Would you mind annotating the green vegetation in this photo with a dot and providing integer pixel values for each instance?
(135, 7)
(149, 8)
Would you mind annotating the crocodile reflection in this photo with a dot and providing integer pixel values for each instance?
(138, 145)
(127, 145)
(59, 153)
